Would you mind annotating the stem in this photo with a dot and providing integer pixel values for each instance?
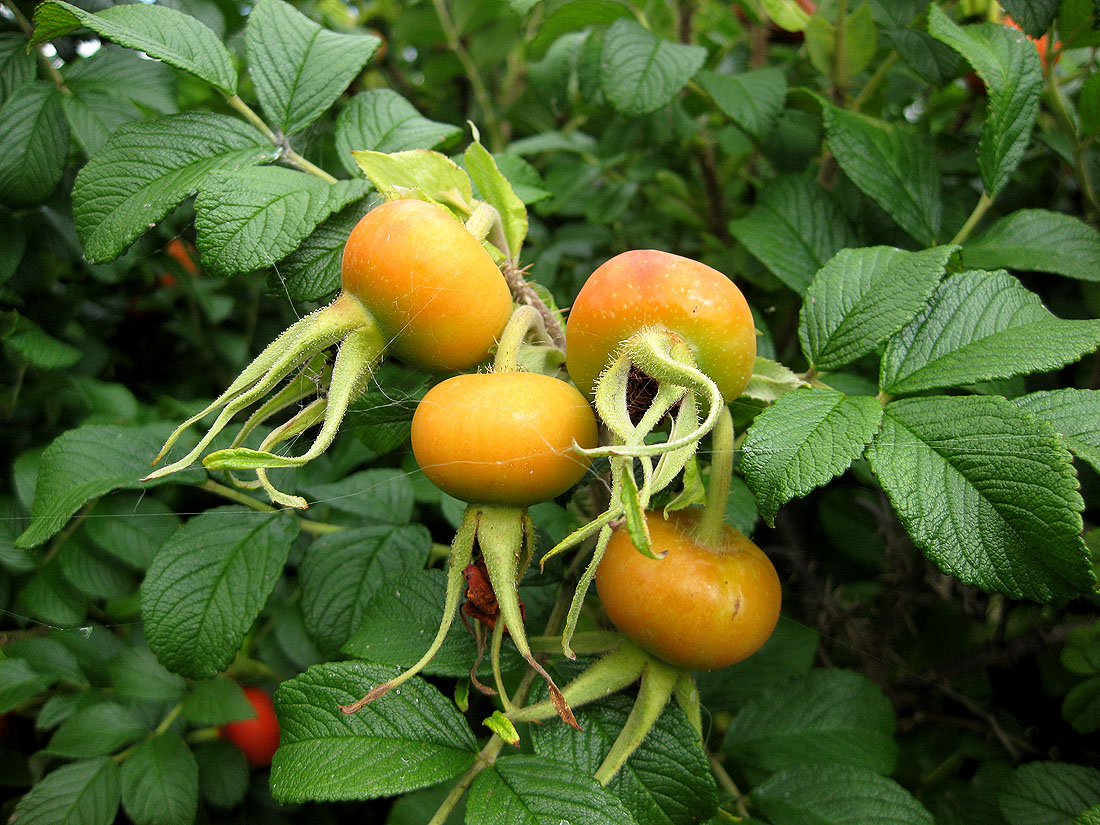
(658, 682)
(253, 118)
(523, 293)
(484, 759)
(876, 80)
(473, 74)
(725, 781)
(524, 319)
(839, 68)
(316, 528)
(1061, 114)
(222, 490)
(494, 660)
(300, 163)
(984, 202)
(44, 61)
(709, 529)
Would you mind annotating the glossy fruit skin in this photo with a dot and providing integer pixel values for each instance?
(258, 737)
(503, 437)
(431, 286)
(647, 287)
(697, 608)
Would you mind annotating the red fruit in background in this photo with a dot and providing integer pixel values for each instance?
(257, 737)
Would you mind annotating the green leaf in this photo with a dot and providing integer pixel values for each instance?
(223, 773)
(1040, 241)
(1074, 414)
(1088, 105)
(124, 74)
(495, 189)
(312, 271)
(860, 43)
(1008, 64)
(217, 701)
(753, 100)
(340, 573)
(903, 26)
(666, 780)
(410, 738)
(787, 14)
(136, 674)
(160, 782)
(98, 730)
(82, 793)
(381, 120)
(640, 72)
(987, 492)
(87, 462)
(1034, 16)
(51, 599)
(166, 34)
(13, 243)
(48, 655)
(130, 527)
(414, 173)
(771, 380)
(863, 296)
(382, 495)
(978, 326)
(19, 682)
(573, 16)
(794, 229)
(163, 162)
(34, 141)
(1048, 793)
(209, 582)
(248, 219)
(1089, 817)
(823, 717)
(804, 440)
(1079, 24)
(836, 795)
(93, 114)
(39, 348)
(530, 790)
(789, 651)
(892, 166)
(297, 67)
(1081, 706)
(381, 418)
(92, 572)
(399, 623)
(17, 67)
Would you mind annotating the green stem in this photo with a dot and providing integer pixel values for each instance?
(839, 67)
(984, 202)
(876, 80)
(494, 660)
(300, 163)
(43, 60)
(523, 321)
(483, 760)
(1060, 108)
(316, 528)
(709, 529)
(250, 115)
(658, 682)
(473, 74)
(160, 730)
(725, 781)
